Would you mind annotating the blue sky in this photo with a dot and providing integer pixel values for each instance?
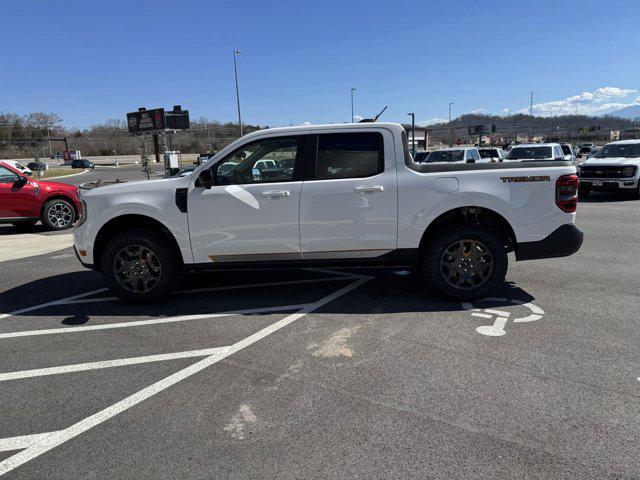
(89, 61)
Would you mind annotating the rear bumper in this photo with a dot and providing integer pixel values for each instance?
(565, 240)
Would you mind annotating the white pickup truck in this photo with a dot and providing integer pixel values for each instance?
(332, 195)
(616, 167)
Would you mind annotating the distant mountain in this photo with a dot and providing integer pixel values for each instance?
(630, 113)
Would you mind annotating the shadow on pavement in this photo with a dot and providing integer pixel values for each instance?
(387, 292)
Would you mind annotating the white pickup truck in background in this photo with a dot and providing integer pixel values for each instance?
(616, 167)
(330, 195)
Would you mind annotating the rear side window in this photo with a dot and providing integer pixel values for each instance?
(348, 155)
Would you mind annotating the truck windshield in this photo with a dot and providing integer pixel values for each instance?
(619, 150)
(529, 153)
(566, 149)
(446, 156)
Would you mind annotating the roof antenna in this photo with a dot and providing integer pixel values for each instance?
(372, 120)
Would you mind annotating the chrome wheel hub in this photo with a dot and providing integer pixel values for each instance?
(60, 215)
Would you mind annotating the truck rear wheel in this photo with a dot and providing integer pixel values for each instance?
(139, 266)
(464, 262)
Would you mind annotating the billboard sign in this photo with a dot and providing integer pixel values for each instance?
(146, 120)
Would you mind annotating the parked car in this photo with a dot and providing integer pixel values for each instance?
(594, 152)
(533, 152)
(585, 149)
(568, 151)
(420, 157)
(616, 167)
(355, 196)
(24, 201)
(37, 166)
(493, 154)
(82, 163)
(456, 155)
(19, 166)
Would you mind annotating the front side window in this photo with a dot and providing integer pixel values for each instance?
(348, 155)
(489, 153)
(530, 153)
(7, 176)
(265, 161)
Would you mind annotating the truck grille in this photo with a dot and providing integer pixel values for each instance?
(593, 171)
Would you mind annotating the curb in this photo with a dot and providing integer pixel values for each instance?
(63, 176)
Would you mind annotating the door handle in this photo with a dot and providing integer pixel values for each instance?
(276, 193)
(369, 188)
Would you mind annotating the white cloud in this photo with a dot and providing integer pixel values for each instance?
(431, 121)
(357, 118)
(478, 111)
(585, 103)
(306, 123)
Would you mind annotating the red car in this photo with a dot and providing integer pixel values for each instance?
(24, 201)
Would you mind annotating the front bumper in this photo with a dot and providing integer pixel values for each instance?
(563, 241)
(609, 183)
(81, 260)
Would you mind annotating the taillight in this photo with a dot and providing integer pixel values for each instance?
(567, 193)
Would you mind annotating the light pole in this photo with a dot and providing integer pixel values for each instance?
(413, 131)
(450, 105)
(235, 71)
(353, 90)
(531, 105)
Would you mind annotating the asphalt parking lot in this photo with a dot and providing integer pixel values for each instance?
(327, 373)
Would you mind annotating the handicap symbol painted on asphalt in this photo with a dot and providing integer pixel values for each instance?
(497, 329)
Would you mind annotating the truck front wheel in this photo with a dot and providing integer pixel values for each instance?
(464, 262)
(139, 266)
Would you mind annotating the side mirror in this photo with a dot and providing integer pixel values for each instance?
(471, 160)
(20, 182)
(205, 179)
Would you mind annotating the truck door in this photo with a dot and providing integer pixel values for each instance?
(348, 204)
(250, 213)
(16, 201)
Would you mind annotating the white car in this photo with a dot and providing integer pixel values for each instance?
(456, 155)
(493, 154)
(537, 152)
(616, 167)
(19, 166)
(341, 194)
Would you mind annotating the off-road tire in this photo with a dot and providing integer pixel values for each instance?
(434, 252)
(166, 257)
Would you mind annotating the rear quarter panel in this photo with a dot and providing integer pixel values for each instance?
(529, 207)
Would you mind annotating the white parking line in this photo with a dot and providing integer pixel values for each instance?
(61, 301)
(120, 362)
(23, 441)
(42, 443)
(80, 298)
(153, 321)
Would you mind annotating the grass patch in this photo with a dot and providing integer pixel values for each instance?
(56, 172)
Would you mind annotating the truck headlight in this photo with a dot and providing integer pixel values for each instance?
(629, 171)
